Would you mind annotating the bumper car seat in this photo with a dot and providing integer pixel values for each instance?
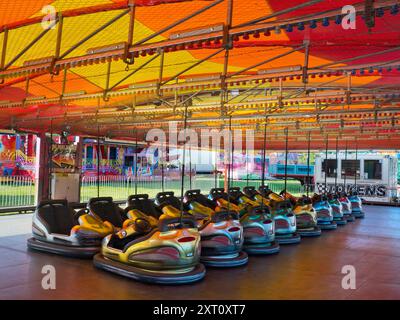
(306, 217)
(106, 210)
(346, 207)
(221, 232)
(58, 229)
(252, 193)
(167, 254)
(337, 209)
(356, 205)
(324, 212)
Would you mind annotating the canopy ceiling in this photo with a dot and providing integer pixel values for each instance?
(119, 68)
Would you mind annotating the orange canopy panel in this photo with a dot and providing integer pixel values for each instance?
(104, 63)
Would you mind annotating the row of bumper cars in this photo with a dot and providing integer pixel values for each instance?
(58, 229)
(151, 247)
(221, 232)
(337, 209)
(356, 205)
(324, 212)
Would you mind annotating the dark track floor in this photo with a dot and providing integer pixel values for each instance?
(310, 270)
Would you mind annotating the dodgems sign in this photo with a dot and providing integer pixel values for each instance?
(366, 190)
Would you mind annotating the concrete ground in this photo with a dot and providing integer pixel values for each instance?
(310, 270)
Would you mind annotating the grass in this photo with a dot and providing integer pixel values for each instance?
(17, 196)
(121, 190)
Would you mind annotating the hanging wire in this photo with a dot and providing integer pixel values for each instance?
(308, 162)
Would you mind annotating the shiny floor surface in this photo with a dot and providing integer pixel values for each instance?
(310, 270)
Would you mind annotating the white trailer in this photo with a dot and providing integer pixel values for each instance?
(373, 176)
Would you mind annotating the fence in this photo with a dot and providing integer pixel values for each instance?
(17, 191)
(120, 187)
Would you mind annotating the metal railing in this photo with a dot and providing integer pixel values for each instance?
(17, 191)
(120, 187)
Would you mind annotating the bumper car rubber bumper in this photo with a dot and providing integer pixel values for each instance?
(327, 225)
(262, 248)
(359, 214)
(340, 221)
(225, 261)
(150, 276)
(289, 238)
(309, 232)
(349, 217)
(61, 249)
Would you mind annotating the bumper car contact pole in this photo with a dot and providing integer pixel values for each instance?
(185, 115)
(286, 156)
(98, 161)
(136, 160)
(50, 161)
(337, 164)
(308, 163)
(326, 165)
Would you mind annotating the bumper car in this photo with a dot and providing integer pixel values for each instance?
(152, 247)
(168, 254)
(258, 226)
(337, 209)
(285, 220)
(346, 207)
(324, 212)
(221, 232)
(306, 217)
(356, 205)
(58, 229)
